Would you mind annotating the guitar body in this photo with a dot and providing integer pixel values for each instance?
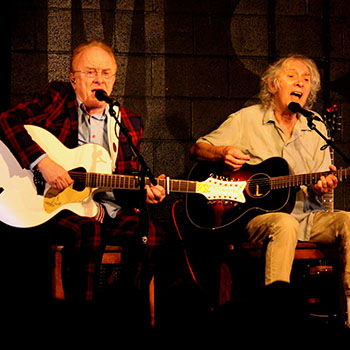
(21, 206)
(260, 198)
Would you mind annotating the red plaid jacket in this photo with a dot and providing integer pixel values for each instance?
(55, 109)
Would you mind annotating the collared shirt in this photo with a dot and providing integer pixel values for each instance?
(257, 133)
(93, 129)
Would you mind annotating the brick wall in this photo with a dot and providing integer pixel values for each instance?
(183, 65)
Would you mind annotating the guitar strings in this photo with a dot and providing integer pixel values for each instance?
(274, 182)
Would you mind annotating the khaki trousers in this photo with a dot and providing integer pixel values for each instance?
(281, 230)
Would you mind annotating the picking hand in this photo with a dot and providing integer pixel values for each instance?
(54, 174)
(234, 157)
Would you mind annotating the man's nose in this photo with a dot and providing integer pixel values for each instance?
(98, 76)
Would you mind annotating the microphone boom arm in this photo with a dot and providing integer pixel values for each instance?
(296, 108)
(329, 142)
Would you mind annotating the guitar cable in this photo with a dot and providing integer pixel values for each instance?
(184, 249)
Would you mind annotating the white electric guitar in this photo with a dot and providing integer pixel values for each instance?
(90, 166)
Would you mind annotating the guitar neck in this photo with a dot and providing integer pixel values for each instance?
(307, 179)
(131, 182)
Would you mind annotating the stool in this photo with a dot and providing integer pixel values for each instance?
(112, 256)
(311, 263)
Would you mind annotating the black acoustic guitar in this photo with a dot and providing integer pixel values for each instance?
(268, 187)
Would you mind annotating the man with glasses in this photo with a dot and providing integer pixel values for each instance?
(72, 113)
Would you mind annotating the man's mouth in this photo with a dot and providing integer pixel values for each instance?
(297, 94)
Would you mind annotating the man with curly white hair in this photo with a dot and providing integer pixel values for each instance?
(270, 129)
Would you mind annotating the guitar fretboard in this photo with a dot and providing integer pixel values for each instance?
(306, 179)
(130, 182)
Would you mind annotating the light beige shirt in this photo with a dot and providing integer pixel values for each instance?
(257, 133)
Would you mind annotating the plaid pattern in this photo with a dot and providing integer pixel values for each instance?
(83, 248)
(55, 109)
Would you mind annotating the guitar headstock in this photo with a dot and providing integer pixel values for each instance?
(217, 189)
(332, 120)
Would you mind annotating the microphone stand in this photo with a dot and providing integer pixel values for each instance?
(329, 142)
(144, 171)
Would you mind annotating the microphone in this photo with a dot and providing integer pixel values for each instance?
(101, 95)
(296, 108)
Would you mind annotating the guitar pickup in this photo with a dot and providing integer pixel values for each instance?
(39, 182)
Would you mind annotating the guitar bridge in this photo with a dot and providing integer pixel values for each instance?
(222, 202)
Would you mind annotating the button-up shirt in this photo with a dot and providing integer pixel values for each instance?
(257, 132)
(93, 129)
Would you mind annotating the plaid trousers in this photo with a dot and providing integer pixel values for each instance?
(84, 240)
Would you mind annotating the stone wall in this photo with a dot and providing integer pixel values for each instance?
(183, 65)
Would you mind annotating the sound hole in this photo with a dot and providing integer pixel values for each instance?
(258, 186)
(79, 177)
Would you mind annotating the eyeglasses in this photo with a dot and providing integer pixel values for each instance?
(94, 74)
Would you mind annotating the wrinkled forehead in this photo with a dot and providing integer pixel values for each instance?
(94, 57)
(296, 66)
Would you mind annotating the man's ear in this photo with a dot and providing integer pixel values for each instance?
(72, 79)
(273, 87)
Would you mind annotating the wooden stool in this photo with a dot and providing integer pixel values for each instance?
(306, 252)
(111, 256)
